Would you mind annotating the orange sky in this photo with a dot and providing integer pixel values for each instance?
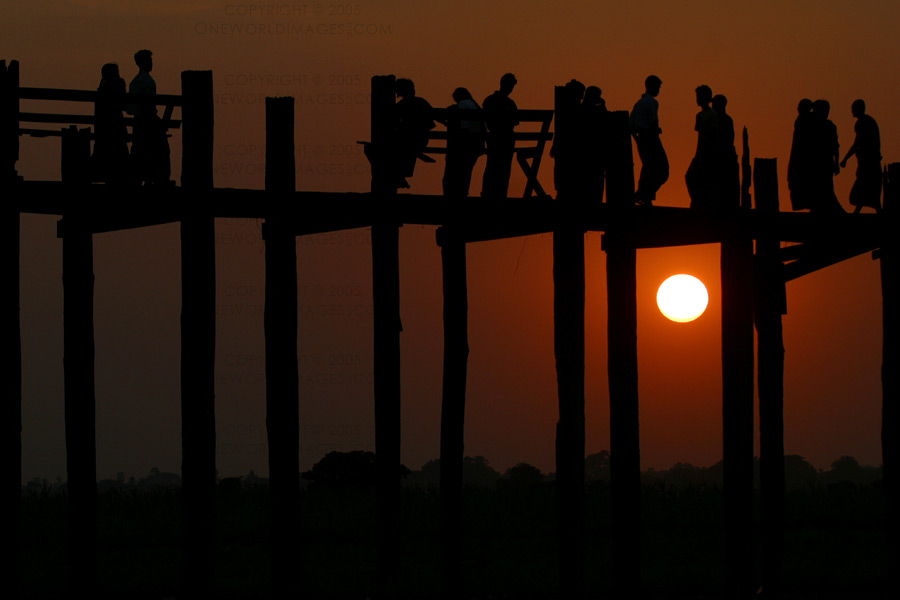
(764, 58)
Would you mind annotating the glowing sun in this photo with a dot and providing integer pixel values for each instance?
(682, 298)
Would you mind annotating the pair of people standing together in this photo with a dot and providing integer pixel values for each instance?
(712, 177)
(149, 158)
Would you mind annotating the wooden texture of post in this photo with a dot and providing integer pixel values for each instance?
(78, 367)
(890, 366)
(10, 331)
(386, 309)
(198, 338)
(453, 407)
(746, 171)
(282, 375)
(568, 336)
(9, 120)
(770, 306)
(621, 281)
(737, 401)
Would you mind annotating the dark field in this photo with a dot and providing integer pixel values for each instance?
(834, 542)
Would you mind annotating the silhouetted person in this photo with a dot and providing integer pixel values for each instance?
(729, 173)
(701, 176)
(645, 130)
(109, 161)
(866, 189)
(800, 171)
(465, 143)
(568, 145)
(501, 141)
(594, 150)
(824, 161)
(413, 124)
(149, 145)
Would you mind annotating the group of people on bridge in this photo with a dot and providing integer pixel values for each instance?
(148, 162)
(815, 160)
(467, 138)
(712, 179)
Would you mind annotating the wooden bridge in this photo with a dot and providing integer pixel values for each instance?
(753, 295)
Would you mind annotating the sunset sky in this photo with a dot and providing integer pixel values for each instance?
(764, 56)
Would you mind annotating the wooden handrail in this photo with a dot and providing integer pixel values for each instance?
(33, 93)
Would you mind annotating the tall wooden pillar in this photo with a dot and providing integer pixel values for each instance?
(453, 407)
(78, 367)
(387, 327)
(198, 338)
(621, 282)
(568, 330)
(770, 306)
(568, 311)
(737, 401)
(890, 366)
(282, 375)
(10, 330)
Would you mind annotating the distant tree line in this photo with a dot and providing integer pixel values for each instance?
(356, 469)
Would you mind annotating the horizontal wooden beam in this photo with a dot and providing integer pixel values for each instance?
(67, 95)
(78, 119)
(524, 115)
(520, 136)
(320, 212)
(819, 257)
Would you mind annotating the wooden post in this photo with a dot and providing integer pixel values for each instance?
(746, 172)
(9, 120)
(890, 381)
(282, 375)
(770, 305)
(387, 327)
(10, 330)
(453, 407)
(75, 155)
(78, 367)
(568, 311)
(568, 335)
(198, 339)
(621, 282)
(737, 402)
(620, 161)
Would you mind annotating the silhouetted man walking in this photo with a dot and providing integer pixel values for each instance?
(866, 189)
(501, 141)
(645, 130)
(149, 145)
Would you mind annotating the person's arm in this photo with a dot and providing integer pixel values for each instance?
(850, 152)
(837, 154)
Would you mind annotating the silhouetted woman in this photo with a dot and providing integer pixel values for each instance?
(109, 161)
(799, 170)
(465, 143)
(568, 143)
(701, 176)
(825, 161)
(595, 116)
(729, 173)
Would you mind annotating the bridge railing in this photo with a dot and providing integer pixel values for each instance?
(168, 101)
